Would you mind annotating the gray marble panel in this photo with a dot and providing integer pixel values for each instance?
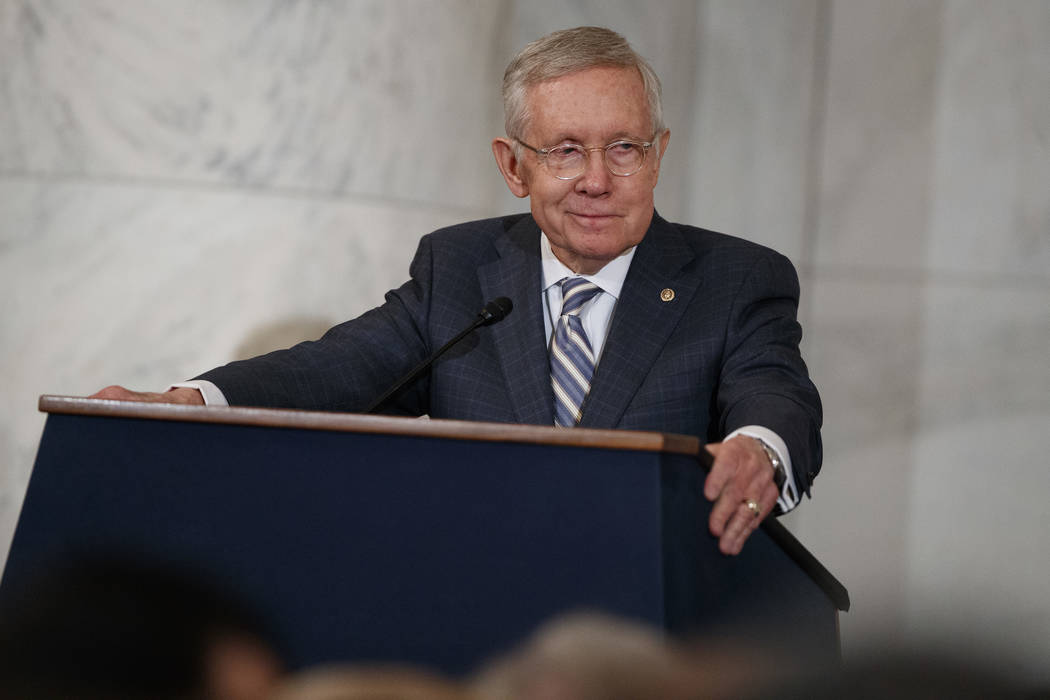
(751, 120)
(978, 555)
(991, 209)
(857, 525)
(937, 401)
(394, 99)
(863, 341)
(143, 286)
(986, 354)
(877, 152)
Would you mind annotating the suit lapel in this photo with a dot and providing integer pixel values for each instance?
(519, 338)
(642, 322)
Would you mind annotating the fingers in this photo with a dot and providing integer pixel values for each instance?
(717, 477)
(746, 520)
(119, 393)
(178, 395)
(741, 473)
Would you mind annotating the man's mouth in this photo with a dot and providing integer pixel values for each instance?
(591, 216)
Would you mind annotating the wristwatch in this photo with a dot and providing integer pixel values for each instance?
(779, 474)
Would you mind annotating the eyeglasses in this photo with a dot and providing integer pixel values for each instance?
(567, 161)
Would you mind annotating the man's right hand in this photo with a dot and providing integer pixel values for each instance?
(177, 395)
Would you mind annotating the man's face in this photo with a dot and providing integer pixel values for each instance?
(597, 216)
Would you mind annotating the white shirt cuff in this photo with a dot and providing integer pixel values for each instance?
(788, 498)
(211, 394)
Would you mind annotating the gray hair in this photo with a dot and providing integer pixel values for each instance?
(568, 51)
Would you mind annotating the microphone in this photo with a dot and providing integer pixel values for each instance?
(493, 312)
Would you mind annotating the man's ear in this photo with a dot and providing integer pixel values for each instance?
(510, 167)
(665, 138)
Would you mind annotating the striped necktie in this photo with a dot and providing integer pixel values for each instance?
(572, 360)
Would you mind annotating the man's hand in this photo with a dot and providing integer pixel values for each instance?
(178, 395)
(741, 473)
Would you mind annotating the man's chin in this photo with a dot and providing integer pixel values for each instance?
(596, 254)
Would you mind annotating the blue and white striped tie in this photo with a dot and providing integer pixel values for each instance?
(572, 360)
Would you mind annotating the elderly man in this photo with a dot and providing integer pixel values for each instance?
(621, 319)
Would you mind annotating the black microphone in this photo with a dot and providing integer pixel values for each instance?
(494, 312)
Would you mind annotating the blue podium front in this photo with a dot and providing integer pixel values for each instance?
(370, 539)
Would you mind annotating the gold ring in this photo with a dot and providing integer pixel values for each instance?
(753, 507)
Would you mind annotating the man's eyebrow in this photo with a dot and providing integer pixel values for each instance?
(627, 135)
(563, 137)
(567, 136)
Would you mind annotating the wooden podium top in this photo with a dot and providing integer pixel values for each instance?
(391, 425)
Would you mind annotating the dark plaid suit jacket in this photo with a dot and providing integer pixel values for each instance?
(723, 353)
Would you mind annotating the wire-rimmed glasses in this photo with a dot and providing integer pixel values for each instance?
(567, 161)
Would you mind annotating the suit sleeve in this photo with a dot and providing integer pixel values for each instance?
(764, 380)
(350, 365)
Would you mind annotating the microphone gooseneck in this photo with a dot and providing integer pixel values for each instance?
(493, 312)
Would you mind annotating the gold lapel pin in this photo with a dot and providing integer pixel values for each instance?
(667, 294)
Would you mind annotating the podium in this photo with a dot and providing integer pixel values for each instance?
(372, 539)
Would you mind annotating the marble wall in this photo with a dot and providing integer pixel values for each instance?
(929, 320)
(186, 183)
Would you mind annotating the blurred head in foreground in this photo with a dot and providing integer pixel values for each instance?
(375, 683)
(589, 656)
(592, 657)
(112, 628)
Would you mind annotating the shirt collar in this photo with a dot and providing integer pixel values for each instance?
(610, 278)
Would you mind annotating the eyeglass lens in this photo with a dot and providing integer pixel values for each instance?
(622, 158)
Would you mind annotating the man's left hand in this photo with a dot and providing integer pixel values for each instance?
(741, 475)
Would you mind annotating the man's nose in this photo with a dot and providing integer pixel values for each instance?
(596, 178)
